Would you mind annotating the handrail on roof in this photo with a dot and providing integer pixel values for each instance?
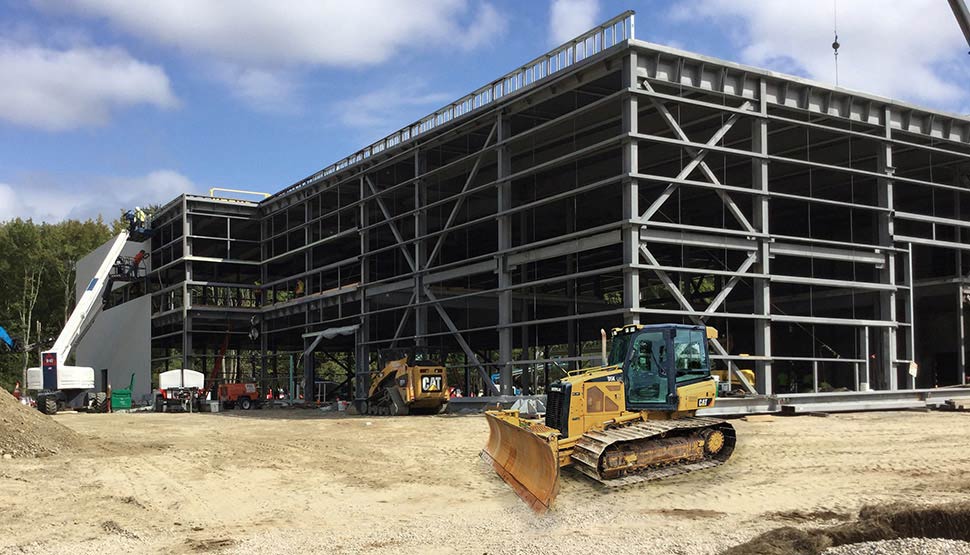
(606, 35)
(212, 192)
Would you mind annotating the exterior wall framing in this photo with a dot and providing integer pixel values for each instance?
(820, 230)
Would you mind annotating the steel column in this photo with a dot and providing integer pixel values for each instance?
(887, 298)
(420, 247)
(631, 209)
(762, 287)
(504, 230)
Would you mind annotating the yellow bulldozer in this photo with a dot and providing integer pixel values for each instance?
(410, 381)
(630, 420)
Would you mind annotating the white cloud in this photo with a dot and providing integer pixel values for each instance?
(53, 199)
(571, 18)
(380, 109)
(273, 91)
(308, 32)
(907, 49)
(65, 89)
(376, 114)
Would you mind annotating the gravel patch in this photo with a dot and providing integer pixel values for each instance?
(904, 546)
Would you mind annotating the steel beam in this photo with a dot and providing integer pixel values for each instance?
(503, 268)
(472, 357)
(630, 232)
(456, 209)
(420, 247)
(685, 304)
(781, 248)
(697, 160)
(887, 298)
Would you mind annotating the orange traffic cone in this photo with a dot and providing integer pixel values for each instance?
(16, 391)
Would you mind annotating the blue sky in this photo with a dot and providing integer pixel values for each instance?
(110, 103)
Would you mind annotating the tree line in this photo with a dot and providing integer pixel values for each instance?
(38, 263)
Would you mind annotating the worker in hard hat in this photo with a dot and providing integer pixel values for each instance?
(141, 219)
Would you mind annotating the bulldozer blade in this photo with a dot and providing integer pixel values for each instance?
(526, 457)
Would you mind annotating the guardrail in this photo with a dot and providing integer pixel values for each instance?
(594, 41)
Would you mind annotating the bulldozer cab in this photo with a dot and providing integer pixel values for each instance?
(657, 360)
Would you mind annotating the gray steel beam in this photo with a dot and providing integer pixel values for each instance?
(694, 239)
(762, 288)
(427, 290)
(630, 233)
(695, 72)
(456, 209)
(887, 298)
(909, 347)
(780, 248)
(961, 338)
(697, 319)
(503, 269)
(362, 348)
(729, 286)
(472, 357)
(790, 318)
(420, 247)
(697, 160)
(840, 283)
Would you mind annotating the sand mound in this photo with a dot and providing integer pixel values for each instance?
(875, 523)
(25, 432)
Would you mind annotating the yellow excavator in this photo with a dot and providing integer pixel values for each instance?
(410, 381)
(630, 420)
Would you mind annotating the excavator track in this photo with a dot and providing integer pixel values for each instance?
(652, 450)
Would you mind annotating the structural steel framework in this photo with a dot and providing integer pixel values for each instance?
(611, 181)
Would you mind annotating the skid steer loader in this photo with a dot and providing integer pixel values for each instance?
(410, 381)
(630, 420)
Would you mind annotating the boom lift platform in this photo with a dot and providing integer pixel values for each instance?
(58, 384)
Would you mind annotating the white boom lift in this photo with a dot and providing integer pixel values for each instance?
(58, 384)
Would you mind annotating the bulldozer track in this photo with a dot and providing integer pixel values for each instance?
(589, 450)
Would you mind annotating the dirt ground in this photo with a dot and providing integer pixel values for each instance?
(303, 482)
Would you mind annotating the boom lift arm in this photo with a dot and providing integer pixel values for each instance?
(962, 14)
(58, 383)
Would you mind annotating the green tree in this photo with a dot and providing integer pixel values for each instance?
(37, 273)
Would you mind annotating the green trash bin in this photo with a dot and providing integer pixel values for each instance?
(121, 398)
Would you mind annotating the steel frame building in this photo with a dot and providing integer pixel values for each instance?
(610, 181)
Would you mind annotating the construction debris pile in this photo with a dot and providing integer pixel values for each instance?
(25, 432)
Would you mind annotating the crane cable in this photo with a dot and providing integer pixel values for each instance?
(835, 43)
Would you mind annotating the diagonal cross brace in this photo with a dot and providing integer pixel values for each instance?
(454, 211)
(486, 379)
(393, 225)
(729, 286)
(403, 322)
(697, 155)
(685, 305)
(431, 296)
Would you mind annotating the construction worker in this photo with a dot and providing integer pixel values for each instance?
(136, 262)
(258, 293)
(141, 219)
(299, 288)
